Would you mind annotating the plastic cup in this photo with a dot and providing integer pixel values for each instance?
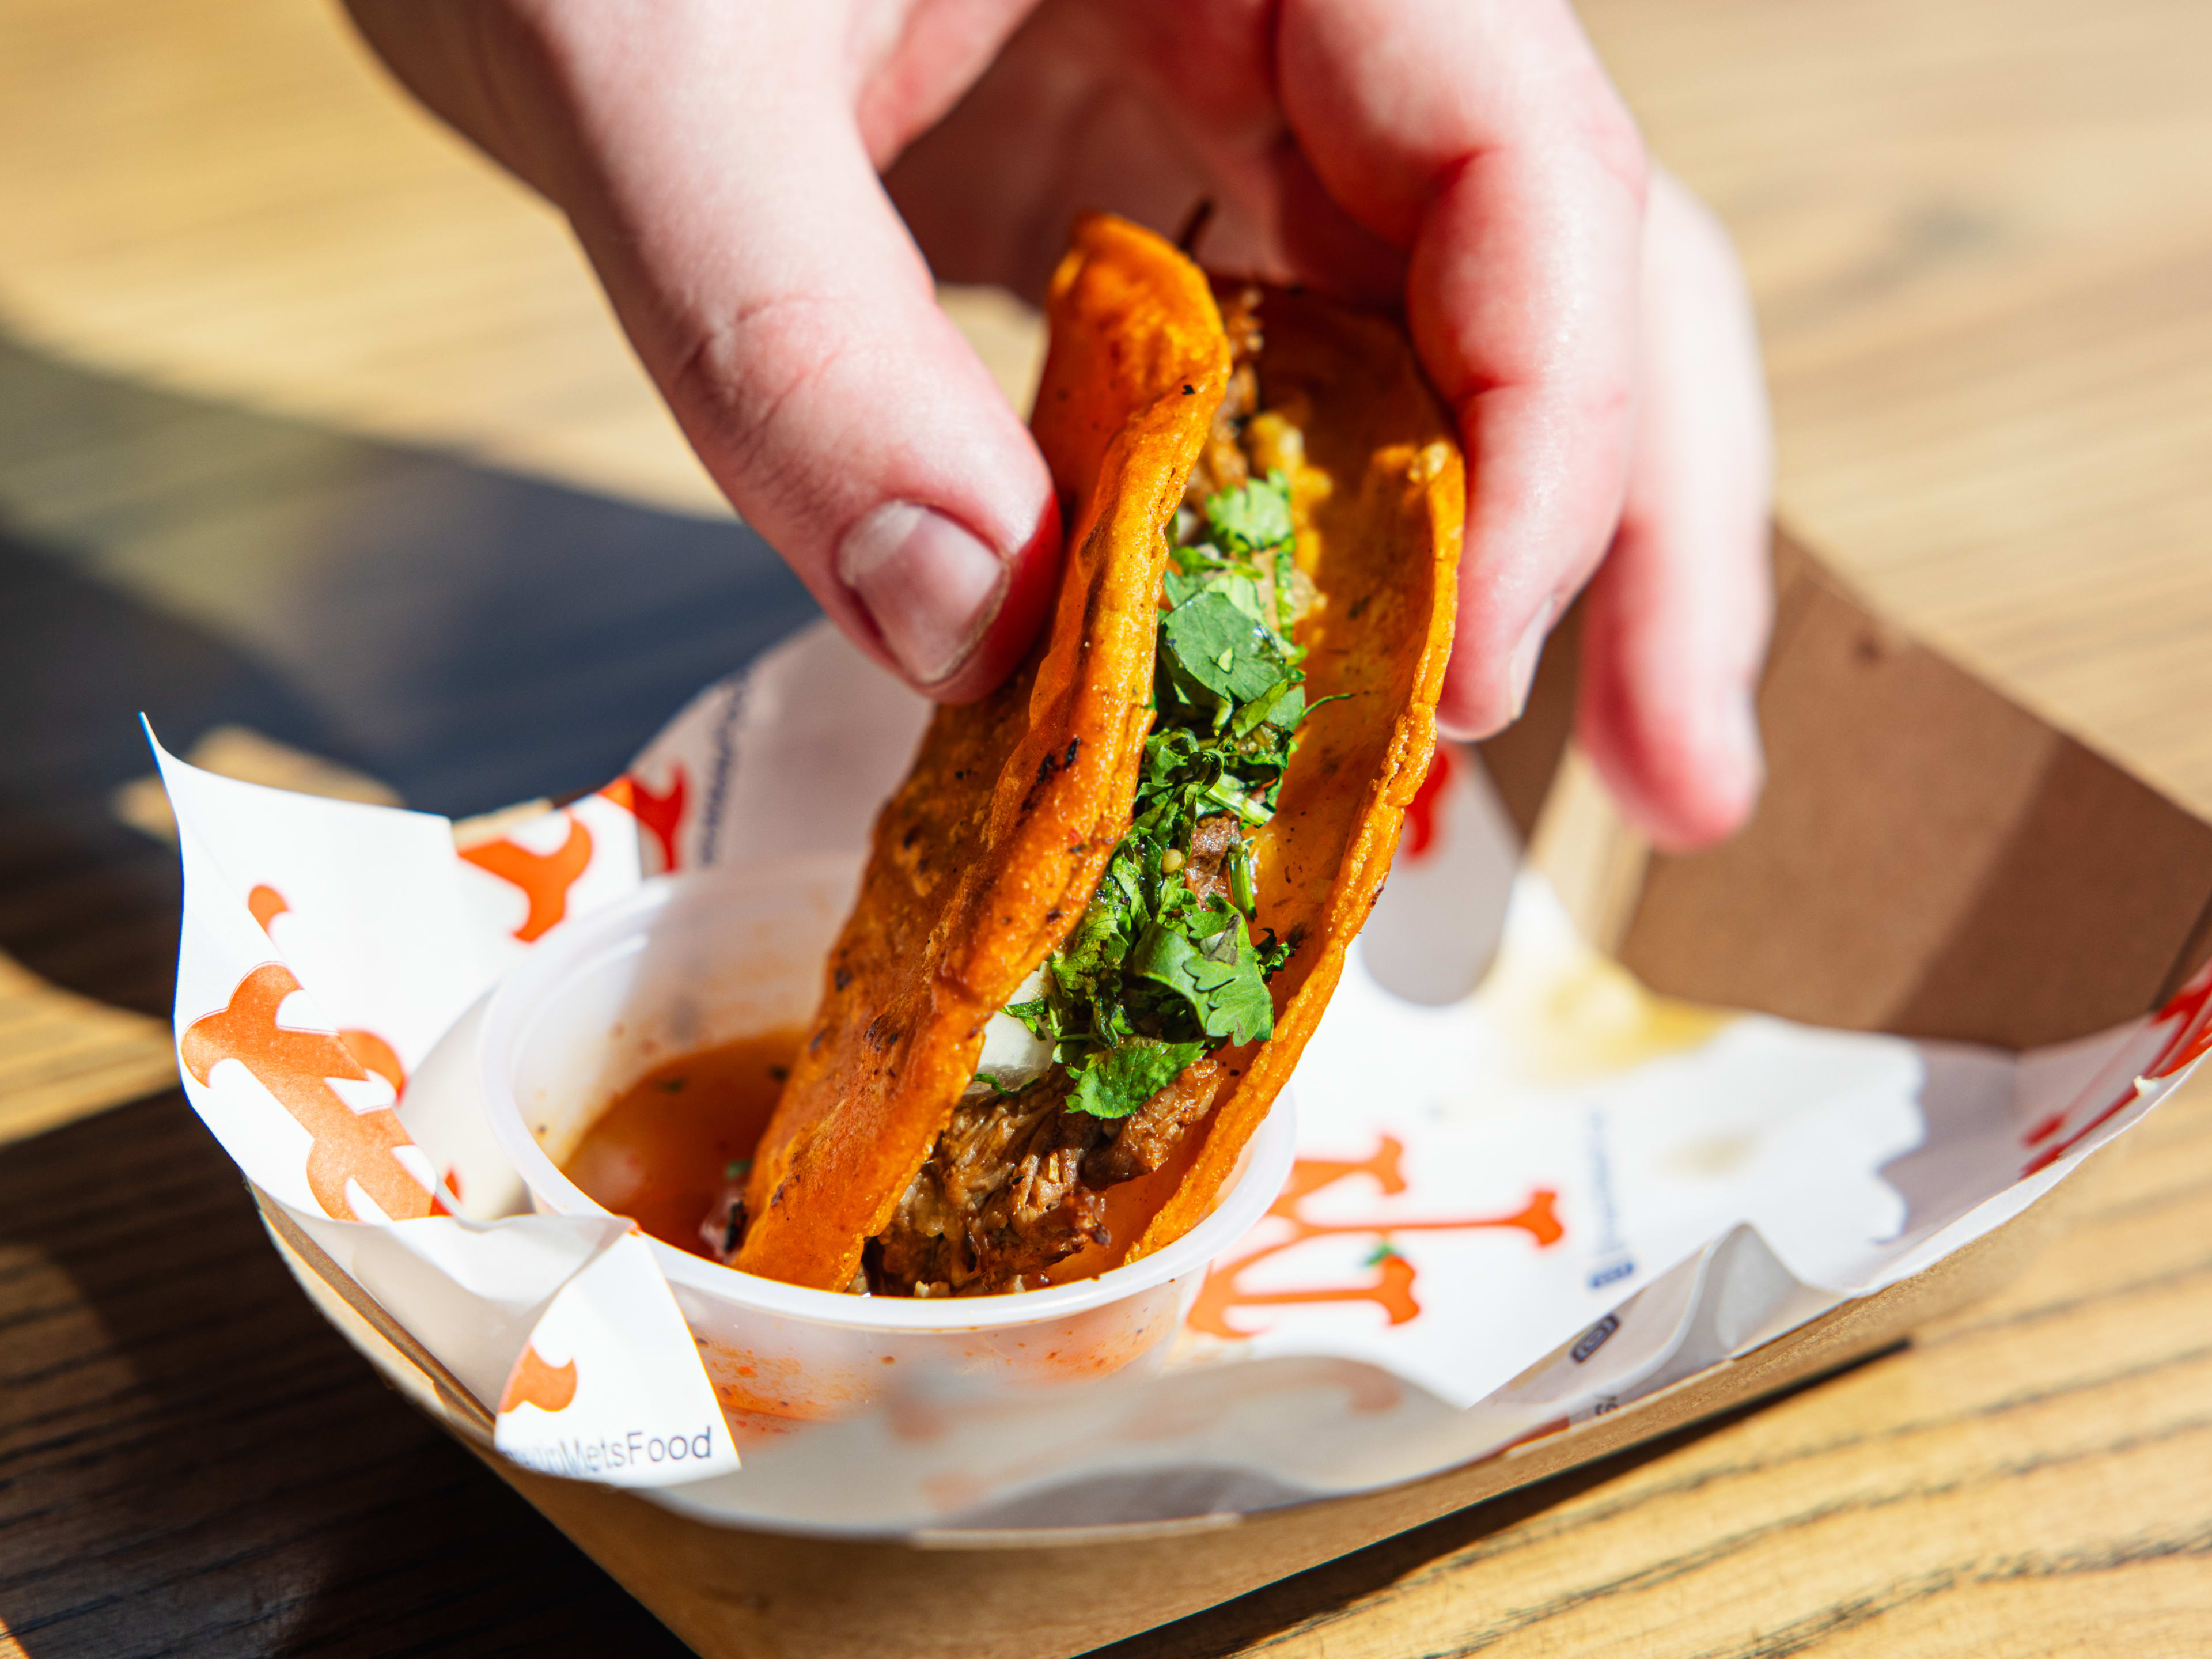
(701, 959)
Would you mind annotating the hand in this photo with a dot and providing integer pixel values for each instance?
(725, 169)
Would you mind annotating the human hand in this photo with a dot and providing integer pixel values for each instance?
(721, 166)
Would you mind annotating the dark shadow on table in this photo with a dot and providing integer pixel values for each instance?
(85, 902)
(471, 637)
(194, 1462)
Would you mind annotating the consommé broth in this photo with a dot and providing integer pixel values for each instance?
(661, 1152)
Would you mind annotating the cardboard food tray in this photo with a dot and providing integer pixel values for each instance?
(1930, 861)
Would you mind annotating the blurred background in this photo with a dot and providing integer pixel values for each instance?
(318, 445)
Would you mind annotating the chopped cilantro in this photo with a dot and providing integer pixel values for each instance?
(1254, 519)
(1244, 879)
(1213, 644)
(1206, 957)
(1154, 977)
(1124, 1079)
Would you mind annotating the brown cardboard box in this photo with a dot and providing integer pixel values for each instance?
(1928, 860)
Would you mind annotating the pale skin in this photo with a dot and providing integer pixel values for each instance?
(767, 189)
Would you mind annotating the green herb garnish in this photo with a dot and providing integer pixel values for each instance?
(1154, 977)
(1253, 519)
(1121, 1079)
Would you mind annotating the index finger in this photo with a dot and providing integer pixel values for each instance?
(1484, 138)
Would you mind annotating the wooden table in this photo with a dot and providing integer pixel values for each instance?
(1981, 238)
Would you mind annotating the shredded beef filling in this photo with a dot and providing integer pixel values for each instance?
(1205, 867)
(1012, 1187)
(1222, 464)
(1000, 1198)
(1144, 1139)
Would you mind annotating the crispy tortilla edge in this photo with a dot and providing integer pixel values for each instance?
(1138, 365)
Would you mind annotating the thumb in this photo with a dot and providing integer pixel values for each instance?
(728, 202)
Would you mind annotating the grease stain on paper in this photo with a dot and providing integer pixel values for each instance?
(1569, 1015)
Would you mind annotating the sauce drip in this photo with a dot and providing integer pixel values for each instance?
(657, 1154)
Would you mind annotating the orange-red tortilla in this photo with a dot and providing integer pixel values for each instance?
(985, 859)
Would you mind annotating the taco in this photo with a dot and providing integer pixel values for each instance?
(1106, 908)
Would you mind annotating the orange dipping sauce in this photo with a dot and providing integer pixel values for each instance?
(659, 1154)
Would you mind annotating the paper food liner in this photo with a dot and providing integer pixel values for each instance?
(1517, 1202)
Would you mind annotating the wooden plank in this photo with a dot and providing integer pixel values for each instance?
(246, 207)
(64, 1055)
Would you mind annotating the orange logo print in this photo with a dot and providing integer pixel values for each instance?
(1421, 810)
(659, 815)
(534, 1382)
(543, 877)
(295, 1066)
(2192, 1010)
(2191, 1039)
(1392, 1289)
(267, 904)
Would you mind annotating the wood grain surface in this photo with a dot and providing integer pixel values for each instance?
(2027, 1478)
(192, 1462)
(1979, 233)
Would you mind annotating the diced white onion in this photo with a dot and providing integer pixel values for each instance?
(1012, 1055)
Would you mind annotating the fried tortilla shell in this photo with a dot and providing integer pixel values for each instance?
(983, 861)
(1378, 500)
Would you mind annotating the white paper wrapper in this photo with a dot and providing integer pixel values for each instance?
(1527, 1190)
(566, 1323)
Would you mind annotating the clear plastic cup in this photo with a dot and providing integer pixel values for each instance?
(701, 959)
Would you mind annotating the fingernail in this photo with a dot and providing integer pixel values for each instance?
(930, 586)
(1521, 667)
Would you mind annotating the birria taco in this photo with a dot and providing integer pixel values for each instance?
(1106, 908)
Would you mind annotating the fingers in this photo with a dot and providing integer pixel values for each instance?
(1482, 136)
(1676, 622)
(710, 161)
